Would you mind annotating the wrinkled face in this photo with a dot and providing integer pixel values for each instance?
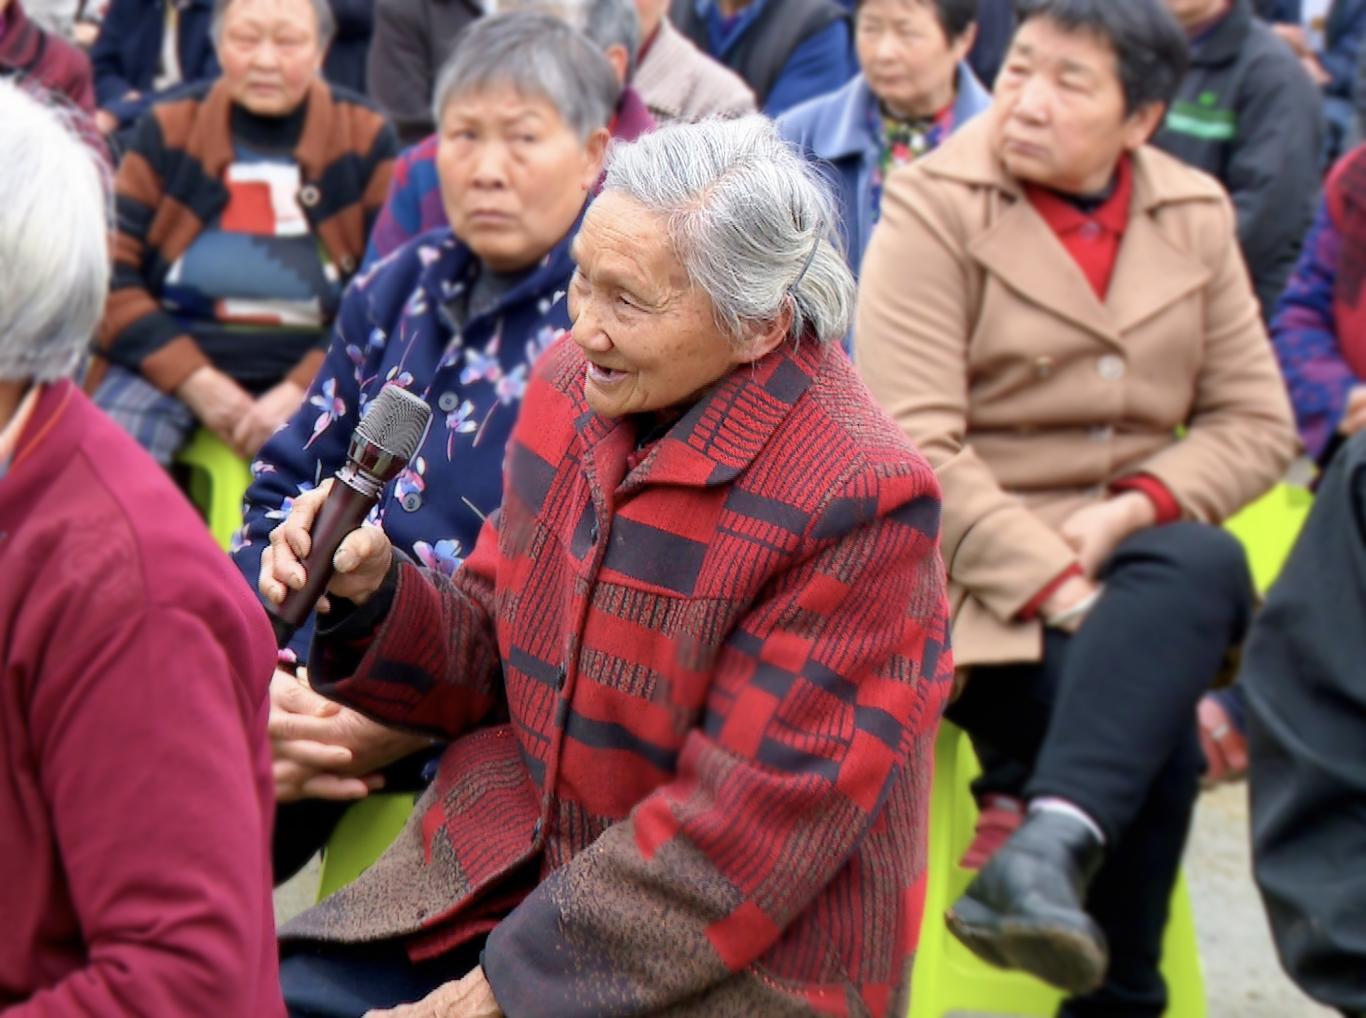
(909, 62)
(270, 53)
(649, 334)
(513, 174)
(651, 14)
(1059, 117)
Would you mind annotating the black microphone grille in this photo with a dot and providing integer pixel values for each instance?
(396, 421)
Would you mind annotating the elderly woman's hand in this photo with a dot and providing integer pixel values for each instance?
(471, 997)
(361, 561)
(1095, 531)
(323, 750)
(216, 400)
(268, 411)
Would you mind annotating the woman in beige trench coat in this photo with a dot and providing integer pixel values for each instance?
(1060, 318)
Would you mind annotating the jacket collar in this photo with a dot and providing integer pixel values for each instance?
(1226, 39)
(632, 118)
(850, 134)
(211, 135)
(1150, 272)
(719, 436)
(21, 39)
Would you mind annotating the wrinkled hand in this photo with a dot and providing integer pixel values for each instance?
(106, 122)
(471, 997)
(1315, 70)
(270, 410)
(1354, 416)
(1095, 531)
(323, 750)
(1070, 593)
(1225, 747)
(216, 400)
(361, 561)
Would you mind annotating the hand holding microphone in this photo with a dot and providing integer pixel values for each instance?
(322, 545)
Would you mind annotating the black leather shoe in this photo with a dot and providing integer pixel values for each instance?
(1025, 909)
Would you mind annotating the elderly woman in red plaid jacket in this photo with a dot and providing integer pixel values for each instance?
(693, 671)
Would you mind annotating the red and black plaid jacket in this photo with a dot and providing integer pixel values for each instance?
(693, 704)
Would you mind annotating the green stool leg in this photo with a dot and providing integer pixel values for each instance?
(948, 978)
(1268, 527)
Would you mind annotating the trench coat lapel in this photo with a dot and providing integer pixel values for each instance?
(1023, 253)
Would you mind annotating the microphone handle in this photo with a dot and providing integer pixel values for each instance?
(343, 511)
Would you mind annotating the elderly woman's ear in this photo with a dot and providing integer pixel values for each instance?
(761, 339)
(595, 148)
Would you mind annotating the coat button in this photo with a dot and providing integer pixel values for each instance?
(309, 196)
(1101, 433)
(560, 677)
(1043, 367)
(411, 502)
(348, 264)
(448, 402)
(593, 533)
(1111, 367)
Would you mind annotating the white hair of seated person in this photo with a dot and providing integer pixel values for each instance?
(751, 221)
(322, 11)
(536, 54)
(54, 239)
(606, 23)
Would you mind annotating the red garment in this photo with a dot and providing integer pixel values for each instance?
(1092, 239)
(136, 804)
(696, 700)
(28, 52)
(1345, 196)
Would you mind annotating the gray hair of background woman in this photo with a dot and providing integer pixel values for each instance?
(535, 54)
(327, 24)
(54, 240)
(605, 22)
(751, 221)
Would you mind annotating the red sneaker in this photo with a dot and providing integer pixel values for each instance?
(1001, 815)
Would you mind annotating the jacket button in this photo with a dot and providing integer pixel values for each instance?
(1102, 433)
(411, 502)
(448, 402)
(1111, 367)
(593, 533)
(309, 196)
(348, 264)
(560, 677)
(1043, 367)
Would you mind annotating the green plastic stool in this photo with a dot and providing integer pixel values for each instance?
(948, 978)
(1268, 528)
(365, 830)
(216, 479)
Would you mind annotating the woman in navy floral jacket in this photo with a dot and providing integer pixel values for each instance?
(458, 315)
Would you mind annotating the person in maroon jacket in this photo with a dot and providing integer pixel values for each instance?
(135, 807)
(29, 53)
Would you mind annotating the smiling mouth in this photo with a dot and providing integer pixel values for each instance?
(604, 376)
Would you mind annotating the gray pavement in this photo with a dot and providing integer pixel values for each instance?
(1243, 978)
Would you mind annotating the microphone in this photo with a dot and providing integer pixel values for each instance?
(386, 438)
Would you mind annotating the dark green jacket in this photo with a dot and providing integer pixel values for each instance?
(1247, 114)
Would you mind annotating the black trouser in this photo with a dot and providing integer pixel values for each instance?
(1107, 721)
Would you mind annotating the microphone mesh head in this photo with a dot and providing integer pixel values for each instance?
(396, 422)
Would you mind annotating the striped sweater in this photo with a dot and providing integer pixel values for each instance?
(170, 185)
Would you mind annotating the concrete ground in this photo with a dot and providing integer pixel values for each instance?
(1243, 978)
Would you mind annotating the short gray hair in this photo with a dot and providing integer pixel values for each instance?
(536, 54)
(605, 22)
(54, 239)
(752, 222)
(322, 11)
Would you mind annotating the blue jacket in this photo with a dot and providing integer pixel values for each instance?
(394, 327)
(839, 130)
(126, 54)
(820, 64)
